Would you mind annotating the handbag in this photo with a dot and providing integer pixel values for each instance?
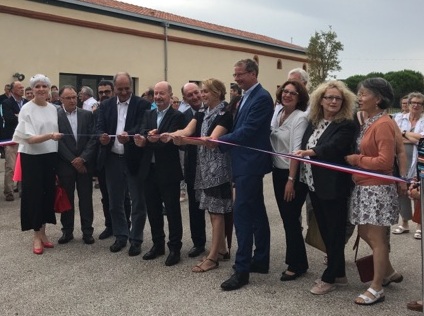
(313, 235)
(365, 265)
(61, 199)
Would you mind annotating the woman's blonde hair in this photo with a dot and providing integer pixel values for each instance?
(216, 87)
(316, 113)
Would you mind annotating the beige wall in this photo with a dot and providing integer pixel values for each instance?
(52, 47)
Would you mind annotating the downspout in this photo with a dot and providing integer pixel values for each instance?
(165, 32)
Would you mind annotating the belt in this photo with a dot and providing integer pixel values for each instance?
(117, 155)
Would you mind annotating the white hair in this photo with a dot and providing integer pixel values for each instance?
(39, 78)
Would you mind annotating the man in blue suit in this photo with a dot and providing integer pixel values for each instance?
(251, 128)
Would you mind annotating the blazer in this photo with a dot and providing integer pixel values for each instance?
(107, 118)
(167, 159)
(251, 128)
(190, 157)
(10, 116)
(335, 143)
(84, 146)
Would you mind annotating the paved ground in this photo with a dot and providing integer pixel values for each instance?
(79, 279)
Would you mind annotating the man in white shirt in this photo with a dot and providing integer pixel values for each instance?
(86, 97)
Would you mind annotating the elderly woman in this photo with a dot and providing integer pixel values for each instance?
(213, 170)
(37, 135)
(374, 202)
(412, 126)
(329, 137)
(286, 136)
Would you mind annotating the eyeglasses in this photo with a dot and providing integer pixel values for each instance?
(292, 93)
(105, 92)
(240, 74)
(416, 103)
(332, 97)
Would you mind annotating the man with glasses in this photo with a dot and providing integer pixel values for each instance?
(118, 119)
(251, 128)
(77, 154)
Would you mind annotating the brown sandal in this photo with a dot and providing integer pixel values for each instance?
(198, 267)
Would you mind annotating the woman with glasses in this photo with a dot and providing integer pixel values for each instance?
(374, 201)
(286, 135)
(412, 126)
(329, 137)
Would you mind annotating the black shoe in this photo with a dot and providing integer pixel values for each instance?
(88, 239)
(288, 277)
(66, 237)
(255, 268)
(154, 252)
(195, 251)
(118, 245)
(173, 258)
(106, 233)
(237, 280)
(135, 249)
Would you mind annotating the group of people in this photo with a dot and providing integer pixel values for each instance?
(134, 149)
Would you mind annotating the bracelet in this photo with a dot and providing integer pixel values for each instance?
(404, 134)
(290, 178)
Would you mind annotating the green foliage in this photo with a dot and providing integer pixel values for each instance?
(403, 82)
(322, 52)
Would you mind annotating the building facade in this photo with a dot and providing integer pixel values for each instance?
(81, 42)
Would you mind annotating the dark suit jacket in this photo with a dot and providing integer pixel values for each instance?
(167, 159)
(107, 122)
(251, 128)
(84, 146)
(335, 143)
(10, 111)
(190, 158)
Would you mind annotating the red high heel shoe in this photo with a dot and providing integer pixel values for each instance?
(48, 244)
(38, 251)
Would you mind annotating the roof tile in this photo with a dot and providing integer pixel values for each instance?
(190, 22)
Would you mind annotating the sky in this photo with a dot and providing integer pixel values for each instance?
(378, 35)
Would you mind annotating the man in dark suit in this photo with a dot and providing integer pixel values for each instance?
(118, 118)
(162, 169)
(75, 166)
(251, 128)
(192, 96)
(105, 90)
(11, 108)
(3, 97)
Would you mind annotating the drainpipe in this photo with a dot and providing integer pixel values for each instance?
(165, 32)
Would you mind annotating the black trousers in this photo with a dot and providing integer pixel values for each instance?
(290, 212)
(331, 218)
(168, 194)
(101, 176)
(197, 218)
(38, 190)
(84, 185)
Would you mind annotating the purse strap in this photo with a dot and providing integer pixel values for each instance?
(356, 246)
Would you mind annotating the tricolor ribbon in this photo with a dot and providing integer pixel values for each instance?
(323, 164)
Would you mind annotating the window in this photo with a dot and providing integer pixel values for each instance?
(279, 64)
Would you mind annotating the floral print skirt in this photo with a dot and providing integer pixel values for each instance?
(375, 204)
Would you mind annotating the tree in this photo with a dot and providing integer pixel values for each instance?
(404, 82)
(322, 52)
